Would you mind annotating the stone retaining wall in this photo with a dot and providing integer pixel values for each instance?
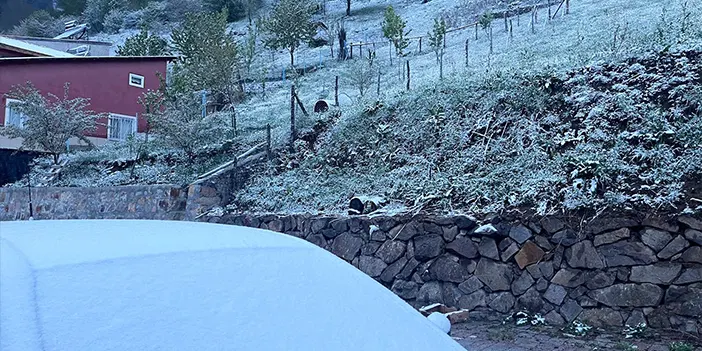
(611, 272)
(142, 202)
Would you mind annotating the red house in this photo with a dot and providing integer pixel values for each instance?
(113, 84)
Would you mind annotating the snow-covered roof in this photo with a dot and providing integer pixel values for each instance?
(30, 49)
(144, 285)
(71, 32)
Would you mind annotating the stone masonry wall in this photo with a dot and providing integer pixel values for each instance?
(612, 272)
(124, 202)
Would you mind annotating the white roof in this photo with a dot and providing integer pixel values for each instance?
(145, 285)
(38, 49)
(71, 32)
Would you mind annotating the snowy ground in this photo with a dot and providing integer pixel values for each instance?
(584, 36)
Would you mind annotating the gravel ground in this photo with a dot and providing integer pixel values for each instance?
(494, 336)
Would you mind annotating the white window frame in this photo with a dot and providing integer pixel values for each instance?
(134, 75)
(8, 101)
(120, 116)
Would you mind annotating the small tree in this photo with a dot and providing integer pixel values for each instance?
(394, 30)
(50, 123)
(289, 25)
(361, 75)
(143, 44)
(436, 41)
(209, 57)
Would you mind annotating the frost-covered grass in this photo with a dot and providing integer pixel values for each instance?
(585, 36)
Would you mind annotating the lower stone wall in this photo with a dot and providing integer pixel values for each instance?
(124, 202)
(609, 273)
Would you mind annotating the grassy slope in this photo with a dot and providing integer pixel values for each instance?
(584, 37)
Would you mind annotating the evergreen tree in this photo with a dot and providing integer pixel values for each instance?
(143, 44)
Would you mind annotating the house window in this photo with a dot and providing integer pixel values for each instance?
(136, 80)
(120, 127)
(12, 116)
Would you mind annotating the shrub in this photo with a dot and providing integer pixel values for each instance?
(96, 10)
(143, 44)
(39, 24)
(114, 20)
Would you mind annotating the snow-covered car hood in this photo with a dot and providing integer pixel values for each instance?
(157, 285)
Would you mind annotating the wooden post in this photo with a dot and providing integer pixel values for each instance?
(420, 45)
(506, 28)
(302, 107)
(476, 31)
(536, 15)
(511, 34)
(408, 75)
(444, 40)
(351, 52)
(377, 90)
(490, 40)
(336, 92)
(467, 40)
(518, 15)
(269, 151)
(567, 6)
(293, 132)
(533, 31)
(549, 10)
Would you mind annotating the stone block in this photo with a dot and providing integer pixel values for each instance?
(449, 233)
(655, 239)
(583, 255)
(405, 289)
(612, 237)
(430, 292)
(659, 273)
(552, 224)
(569, 278)
(531, 301)
(346, 246)
(488, 248)
(600, 280)
(520, 233)
(522, 284)
(674, 247)
(470, 285)
(565, 237)
(372, 266)
(393, 270)
(691, 274)
(570, 310)
(694, 235)
(446, 269)
(390, 251)
(628, 295)
(555, 294)
(530, 253)
(463, 247)
(692, 222)
(553, 318)
(497, 276)
(625, 253)
(502, 302)
(473, 300)
(692, 255)
(602, 317)
(428, 246)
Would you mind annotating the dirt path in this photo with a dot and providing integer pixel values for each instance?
(494, 336)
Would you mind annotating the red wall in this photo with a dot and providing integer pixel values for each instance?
(105, 82)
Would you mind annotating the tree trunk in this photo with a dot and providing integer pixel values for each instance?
(292, 57)
(348, 7)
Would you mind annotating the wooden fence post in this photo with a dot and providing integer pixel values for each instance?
(490, 40)
(408, 75)
(351, 52)
(420, 45)
(269, 151)
(567, 11)
(476, 31)
(336, 91)
(467, 40)
(549, 10)
(377, 89)
(511, 34)
(506, 28)
(518, 15)
(444, 40)
(293, 132)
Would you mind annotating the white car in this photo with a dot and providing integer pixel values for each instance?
(124, 285)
